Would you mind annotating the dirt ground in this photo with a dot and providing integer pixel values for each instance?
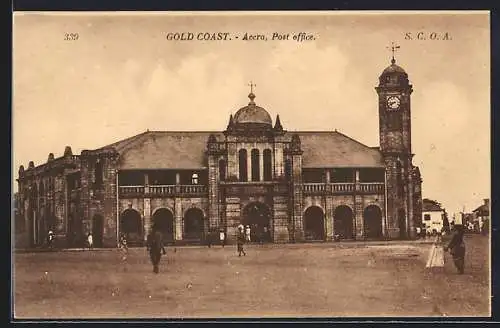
(302, 280)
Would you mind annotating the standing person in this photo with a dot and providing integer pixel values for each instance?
(247, 233)
(457, 248)
(50, 239)
(90, 241)
(241, 242)
(123, 247)
(156, 248)
(222, 237)
(209, 238)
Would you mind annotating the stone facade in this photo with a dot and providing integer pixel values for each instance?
(288, 187)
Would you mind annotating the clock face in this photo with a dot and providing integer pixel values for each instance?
(393, 102)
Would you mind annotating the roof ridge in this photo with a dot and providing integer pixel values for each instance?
(125, 141)
(356, 141)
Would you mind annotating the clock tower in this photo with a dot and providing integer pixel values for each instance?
(394, 91)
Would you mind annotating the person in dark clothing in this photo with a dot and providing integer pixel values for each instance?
(156, 248)
(241, 242)
(50, 240)
(209, 238)
(457, 248)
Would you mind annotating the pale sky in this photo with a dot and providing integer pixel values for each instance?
(122, 77)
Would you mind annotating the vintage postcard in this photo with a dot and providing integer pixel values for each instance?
(185, 165)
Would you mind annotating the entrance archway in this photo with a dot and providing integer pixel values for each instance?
(257, 215)
(97, 230)
(314, 223)
(193, 224)
(343, 222)
(131, 226)
(372, 219)
(163, 221)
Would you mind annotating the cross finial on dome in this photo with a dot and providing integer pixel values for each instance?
(251, 95)
(393, 49)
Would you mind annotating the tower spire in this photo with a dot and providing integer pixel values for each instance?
(277, 126)
(394, 47)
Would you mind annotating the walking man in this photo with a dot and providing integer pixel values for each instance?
(156, 248)
(457, 248)
(241, 242)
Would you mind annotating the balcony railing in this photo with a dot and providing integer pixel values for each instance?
(343, 188)
(313, 188)
(162, 190)
(131, 190)
(371, 188)
(193, 189)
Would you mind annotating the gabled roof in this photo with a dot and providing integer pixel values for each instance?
(186, 149)
(482, 210)
(430, 206)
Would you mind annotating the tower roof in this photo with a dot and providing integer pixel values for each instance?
(252, 113)
(393, 68)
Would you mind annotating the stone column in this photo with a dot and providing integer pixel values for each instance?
(410, 218)
(213, 190)
(358, 209)
(329, 216)
(147, 217)
(249, 165)
(278, 160)
(178, 219)
(297, 197)
(327, 174)
(232, 217)
(261, 165)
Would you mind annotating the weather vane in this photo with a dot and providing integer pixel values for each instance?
(251, 86)
(393, 49)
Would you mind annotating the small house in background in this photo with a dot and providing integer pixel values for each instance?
(432, 216)
(482, 216)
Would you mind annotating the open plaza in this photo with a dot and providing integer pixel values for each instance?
(291, 280)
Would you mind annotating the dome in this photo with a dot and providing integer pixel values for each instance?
(393, 68)
(252, 114)
(394, 75)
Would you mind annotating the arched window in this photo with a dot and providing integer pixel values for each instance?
(243, 165)
(222, 170)
(268, 165)
(255, 165)
(98, 174)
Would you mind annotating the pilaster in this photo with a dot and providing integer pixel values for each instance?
(178, 219)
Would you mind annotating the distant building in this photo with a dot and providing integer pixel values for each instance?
(482, 214)
(432, 216)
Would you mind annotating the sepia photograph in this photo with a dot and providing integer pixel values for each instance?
(299, 164)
